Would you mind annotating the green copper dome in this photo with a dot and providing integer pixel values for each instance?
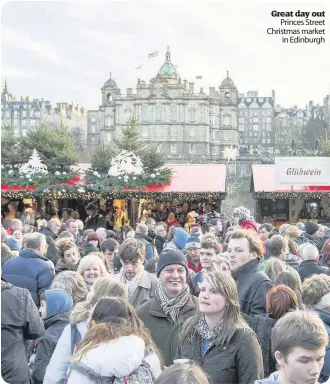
(167, 69)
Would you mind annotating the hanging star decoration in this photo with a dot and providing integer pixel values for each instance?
(230, 154)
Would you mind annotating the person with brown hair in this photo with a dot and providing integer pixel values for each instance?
(56, 371)
(209, 248)
(69, 256)
(73, 283)
(93, 243)
(141, 284)
(279, 301)
(217, 335)
(183, 373)
(325, 254)
(291, 279)
(316, 295)
(116, 347)
(273, 268)
(245, 251)
(299, 340)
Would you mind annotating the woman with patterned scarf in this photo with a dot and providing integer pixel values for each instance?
(140, 284)
(218, 338)
(172, 304)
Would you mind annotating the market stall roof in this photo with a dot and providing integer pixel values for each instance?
(189, 178)
(263, 183)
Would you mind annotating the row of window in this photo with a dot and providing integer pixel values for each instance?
(264, 141)
(8, 114)
(32, 123)
(256, 119)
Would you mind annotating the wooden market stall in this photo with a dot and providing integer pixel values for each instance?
(287, 204)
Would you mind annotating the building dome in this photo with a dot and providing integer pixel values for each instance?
(110, 83)
(167, 69)
(227, 82)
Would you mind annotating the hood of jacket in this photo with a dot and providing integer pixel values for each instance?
(181, 238)
(127, 354)
(142, 236)
(249, 225)
(31, 254)
(57, 301)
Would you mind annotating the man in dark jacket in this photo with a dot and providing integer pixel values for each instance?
(53, 226)
(141, 234)
(309, 266)
(20, 321)
(310, 235)
(30, 269)
(94, 219)
(246, 250)
(55, 308)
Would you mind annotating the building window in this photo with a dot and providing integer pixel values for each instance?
(158, 113)
(93, 129)
(109, 97)
(93, 120)
(192, 115)
(93, 139)
(174, 113)
(227, 96)
(109, 136)
(144, 132)
(173, 131)
(23, 113)
(192, 148)
(159, 147)
(256, 119)
(213, 120)
(23, 123)
(226, 120)
(37, 114)
(241, 119)
(241, 128)
(173, 148)
(32, 123)
(128, 113)
(108, 122)
(255, 134)
(255, 127)
(23, 132)
(7, 113)
(192, 132)
(145, 113)
(215, 151)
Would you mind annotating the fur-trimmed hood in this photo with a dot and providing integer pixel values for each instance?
(118, 359)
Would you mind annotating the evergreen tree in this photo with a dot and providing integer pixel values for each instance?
(130, 139)
(101, 158)
(54, 145)
(13, 150)
(152, 159)
(325, 148)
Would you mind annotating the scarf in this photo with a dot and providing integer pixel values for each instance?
(172, 307)
(206, 332)
(131, 284)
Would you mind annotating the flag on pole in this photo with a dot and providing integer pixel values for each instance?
(153, 54)
(199, 77)
(139, 67)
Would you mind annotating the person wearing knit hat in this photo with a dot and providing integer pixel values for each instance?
(311, 228)
(55, 308)
(310, 235)
(179, 241)
(283, 228)
(243, 215)
(172, 304)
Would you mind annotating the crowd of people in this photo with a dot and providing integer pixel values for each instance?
(221, 301)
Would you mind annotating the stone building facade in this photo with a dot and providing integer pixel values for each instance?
(184, 124)
(24, 114)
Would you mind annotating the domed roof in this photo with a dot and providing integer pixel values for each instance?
(227, 82)
(110, 83)
(167, 69)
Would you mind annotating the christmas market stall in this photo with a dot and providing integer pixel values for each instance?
(277, 201)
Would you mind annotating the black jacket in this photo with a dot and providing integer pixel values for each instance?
(94, 222)
(308, 268)
(20, 320)
(47, 343)
(159, 243)
(240, 362)
(48, 232)
(252, 286)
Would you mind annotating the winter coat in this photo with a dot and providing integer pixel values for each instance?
(252, 286)
(191, 265)
(94, 222)
(65, 266)
(145, 290)
(48, 232)
(323, 239)
(159, 243)
(6, 253)
(240, 362)
(262, 326)
(118, 359)
(308, 268)
(89, 248)
(249, 225)
(31, 271)
(147, 241)
(20, 320)
(163, 331)
(47, 343)
(307, 238)
(292, 260)
(59, 363)
(325, 373)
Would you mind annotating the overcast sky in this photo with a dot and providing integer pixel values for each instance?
(64, 51)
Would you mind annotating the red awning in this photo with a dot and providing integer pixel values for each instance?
(264, 180)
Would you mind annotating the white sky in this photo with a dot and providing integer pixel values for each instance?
(64, 51)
